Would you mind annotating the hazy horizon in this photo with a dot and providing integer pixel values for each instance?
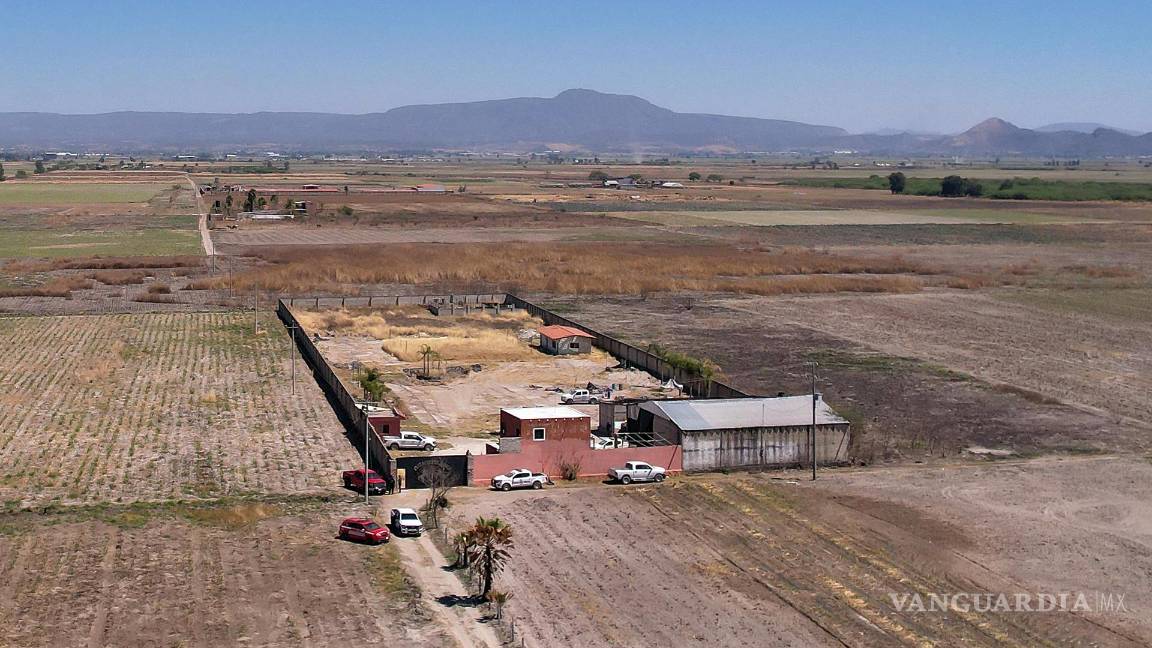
(906, 67)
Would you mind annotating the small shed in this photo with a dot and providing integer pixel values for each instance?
(385, 420)
(521, 425)
(748, 432)
(564, 340)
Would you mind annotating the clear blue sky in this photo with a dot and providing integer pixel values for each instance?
(859, 65)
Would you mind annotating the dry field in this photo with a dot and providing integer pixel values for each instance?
(575, 268)
(253, 574)
(146, 407)
(905, 403)
(1012, 337)
(748, 560)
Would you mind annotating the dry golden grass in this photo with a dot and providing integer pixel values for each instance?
(118, 277)
(572, 268)
(404, 331)
(58, 287)
(104, 263)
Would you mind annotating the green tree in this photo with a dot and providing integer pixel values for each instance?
(39, 167)
(897, 182)
(21, 174)
(491, 540)
(372, 383)
(952, 185)
(250, 201)
(694, 176)
(597, 176)
(715, 177)
(2, 176)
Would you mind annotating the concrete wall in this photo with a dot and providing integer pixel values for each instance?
(763, 447)
(546, 457)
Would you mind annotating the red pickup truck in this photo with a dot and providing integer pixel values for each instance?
(354, 479)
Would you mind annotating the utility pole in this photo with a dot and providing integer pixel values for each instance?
(229, 277)
(256, 310)
(292, 352)
(367, 431)
(813, 433)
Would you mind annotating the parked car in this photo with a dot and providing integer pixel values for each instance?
(519, 478)
(637, 471)
(406, 522)
(354, 479)
(363, 530)
(410, 441)
(579, 397)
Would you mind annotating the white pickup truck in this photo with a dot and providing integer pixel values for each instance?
(519, 478)
(410, 441)
(579, 397)
(637, 471)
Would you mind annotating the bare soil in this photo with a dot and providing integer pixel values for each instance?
(752, 560)
(157, 406)
(903, 406)
(254, 575)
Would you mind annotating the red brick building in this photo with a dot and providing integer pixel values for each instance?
(385, 420)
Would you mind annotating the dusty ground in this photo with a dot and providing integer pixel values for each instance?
(902, 405)
(748, 560)
(141, 407)
(471, 405)
(1081, 358)
(255, 575)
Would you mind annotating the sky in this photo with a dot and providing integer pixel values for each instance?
(929, 66)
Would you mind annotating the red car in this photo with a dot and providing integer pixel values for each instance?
(363, 530)
(354, 479)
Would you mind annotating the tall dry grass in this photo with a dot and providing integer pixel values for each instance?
(57, 287)
(572, 268)
(403, 332)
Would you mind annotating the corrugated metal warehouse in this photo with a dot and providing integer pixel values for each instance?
(747, 432)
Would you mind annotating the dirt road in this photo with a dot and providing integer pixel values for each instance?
(441, 591)
(202, 213)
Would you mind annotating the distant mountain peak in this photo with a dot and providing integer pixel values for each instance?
(994, 125)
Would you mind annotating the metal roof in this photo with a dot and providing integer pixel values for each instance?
(554, 412)
(556, 332)
(737, 413)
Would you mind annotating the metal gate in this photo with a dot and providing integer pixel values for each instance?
(458, 464)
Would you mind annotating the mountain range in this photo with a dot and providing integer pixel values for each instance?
(574, 120)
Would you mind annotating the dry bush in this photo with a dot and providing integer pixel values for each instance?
(1102, 271)
(118, 277)
(572, 268)
(972, 282)
(159, 289)
(126, 262)
(58, 287)
(155, 298)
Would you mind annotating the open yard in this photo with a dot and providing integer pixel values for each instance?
(146, 407)
(755, 561)
(503, 368)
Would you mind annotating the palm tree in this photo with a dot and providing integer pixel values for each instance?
(491, 539)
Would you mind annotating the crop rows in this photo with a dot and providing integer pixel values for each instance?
(139, 407)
